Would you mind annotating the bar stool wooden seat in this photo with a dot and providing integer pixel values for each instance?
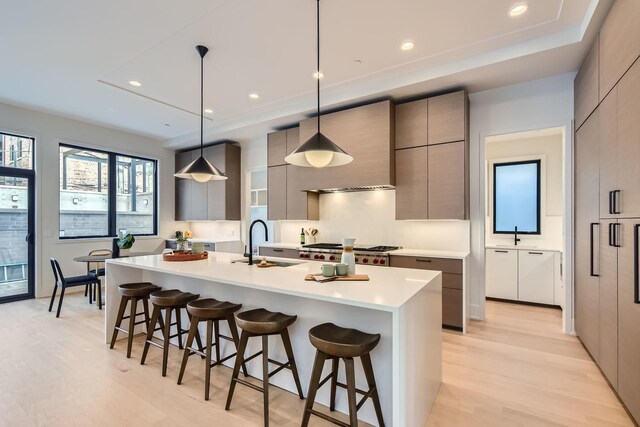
(337, 343)
(131, 294)
(169, 301)
(211, 311)
(262, 323)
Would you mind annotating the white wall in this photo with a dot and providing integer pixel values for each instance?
(548, 149)
(49, 130)
(527, 106)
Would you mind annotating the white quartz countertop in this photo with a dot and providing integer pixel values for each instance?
(205, 240)
(430, 253)
(281, 245)
(387, 290)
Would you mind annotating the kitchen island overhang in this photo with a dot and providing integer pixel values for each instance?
(403, 305)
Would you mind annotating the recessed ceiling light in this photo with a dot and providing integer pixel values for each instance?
(114, 110)
(518, 9)
(318, 75)
(254, 95)
(135, 83)
(208, 110)
(407, 45)
(167, 124)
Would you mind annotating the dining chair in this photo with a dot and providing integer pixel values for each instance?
(99, 271)
(68, 282)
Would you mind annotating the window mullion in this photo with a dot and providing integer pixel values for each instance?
(112, 178)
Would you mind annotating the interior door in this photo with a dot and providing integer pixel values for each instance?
(17, 254)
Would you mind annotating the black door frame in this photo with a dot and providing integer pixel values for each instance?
(30, 176)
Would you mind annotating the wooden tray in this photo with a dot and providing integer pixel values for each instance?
(185, 256)
(352, 278)
(267, 265)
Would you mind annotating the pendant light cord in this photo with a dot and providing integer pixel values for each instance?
(201, 105)
(318, 57)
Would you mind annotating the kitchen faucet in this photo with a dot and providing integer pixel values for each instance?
(266, 237)
(515, 237)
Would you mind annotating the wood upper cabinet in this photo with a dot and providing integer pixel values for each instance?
(276, 148)
(447, 118)
(223, 197)
(213, 200)
(628, 321)
(366, 133)
(619, 46)
(608, 149)
(628, 126)
(586, 87)
(301, 205)
(411, 183)
(587, 213)
(277, 193)
(447, 181)
(293, 139)
(608, 301)
(411, 124)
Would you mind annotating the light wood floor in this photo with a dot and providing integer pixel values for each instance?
(515, 369)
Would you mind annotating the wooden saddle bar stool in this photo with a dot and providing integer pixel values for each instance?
(262, 323)
(68, 282)
(131, 294)
(169, 301)
(336, 343)
(211, 311)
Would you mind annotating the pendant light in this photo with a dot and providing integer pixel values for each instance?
(319, 151)
(201, 169)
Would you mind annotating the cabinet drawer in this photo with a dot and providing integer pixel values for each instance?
(278, 252)
(452, 281)
(452, 307)
(446, 265)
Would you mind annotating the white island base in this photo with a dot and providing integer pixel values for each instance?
(402, 305)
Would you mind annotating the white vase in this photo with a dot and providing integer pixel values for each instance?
(124, 252)
(348, 256)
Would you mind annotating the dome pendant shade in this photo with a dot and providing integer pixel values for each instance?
(318, 152)
(200, 170)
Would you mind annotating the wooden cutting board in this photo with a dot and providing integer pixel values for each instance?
(185, 256)
(352, 278)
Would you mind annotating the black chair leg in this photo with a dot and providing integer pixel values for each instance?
(90, 285)
(60, 301)
(86, 289)
(53, 296)
(97, 284)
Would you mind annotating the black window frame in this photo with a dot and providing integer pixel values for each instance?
(112, 193)
(538, 163)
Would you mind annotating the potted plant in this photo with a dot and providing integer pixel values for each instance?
(182, 238)
(125, 243)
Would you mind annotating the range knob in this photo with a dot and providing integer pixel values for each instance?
(315, 256)
(365, 260)
(375, 261)
(331, 258)
(321, 256)
(382, 262)
(301, 256)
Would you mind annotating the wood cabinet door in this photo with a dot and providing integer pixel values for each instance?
(411, 124)
(293, 140)
(608, 307)
(609, 153)
(587, 226)
(452, 307)
(535, 276)
(277, 193)
(628, 319)
(223, 197)
(411, 183)
(301, 205)
(276, 148)
(619, 46)
(446, 176)
(629, 142)
(501, 274)
(183, 189)
(447, 118)
(586, 87)
(199, 193)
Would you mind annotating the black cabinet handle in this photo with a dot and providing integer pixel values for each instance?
(614, 207)
(422, 260)
(536, 253)
(636, 290)
(616, 234)
(611, 202)
(278, 250)
(610, 234)
(501, 252)
(591, 271)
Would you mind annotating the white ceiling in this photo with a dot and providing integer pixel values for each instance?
(76, 57)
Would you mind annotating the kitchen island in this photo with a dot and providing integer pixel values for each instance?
(403, 305)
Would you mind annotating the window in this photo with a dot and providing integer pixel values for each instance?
(16, 151)
(102, 193)
(516, 197)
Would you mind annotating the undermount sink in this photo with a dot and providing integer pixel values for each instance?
(257, 261)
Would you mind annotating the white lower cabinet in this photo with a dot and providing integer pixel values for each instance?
(502, 273)
(523, 275)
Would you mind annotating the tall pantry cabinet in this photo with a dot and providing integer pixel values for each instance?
(607, 202)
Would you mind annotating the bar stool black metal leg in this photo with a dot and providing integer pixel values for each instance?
(335, 363)
(265, 378)
(132, 324)
(371, 382)
(318, 364)
(244, 337)
(231, 320)
(155, 317)
(351, 391)
(292, 361)
(193, 329)
(167, 334)
(121, 310)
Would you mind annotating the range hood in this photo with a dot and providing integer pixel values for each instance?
(365, 132)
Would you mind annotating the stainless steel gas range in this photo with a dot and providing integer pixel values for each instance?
(371, 255)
